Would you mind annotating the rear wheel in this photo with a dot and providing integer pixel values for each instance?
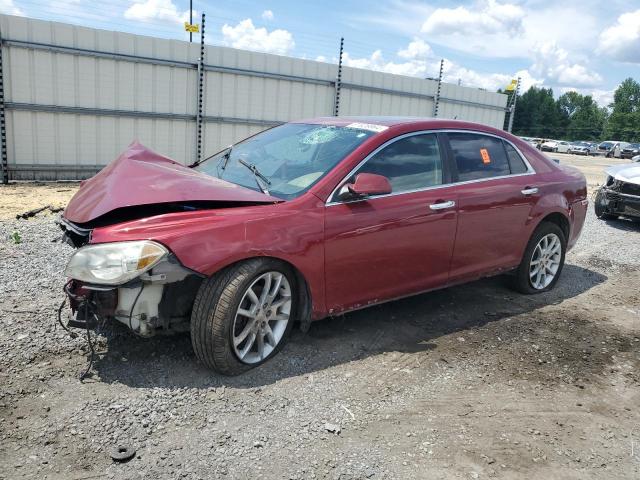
(542, 261)
(600, 207)
(243, 315)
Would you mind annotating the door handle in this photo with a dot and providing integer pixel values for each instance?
(442, 205)
(529, 191)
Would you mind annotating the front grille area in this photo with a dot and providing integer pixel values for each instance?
(629, 188)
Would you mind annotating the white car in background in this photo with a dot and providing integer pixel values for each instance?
(559, 146)
(530, 141)
(563, 147)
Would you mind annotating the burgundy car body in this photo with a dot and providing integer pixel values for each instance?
(349, 254)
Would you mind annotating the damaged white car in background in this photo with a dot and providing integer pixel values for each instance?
(620, 194)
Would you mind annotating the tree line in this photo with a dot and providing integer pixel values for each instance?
(578, 117)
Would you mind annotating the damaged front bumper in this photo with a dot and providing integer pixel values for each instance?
(621, 199)
(158, 301)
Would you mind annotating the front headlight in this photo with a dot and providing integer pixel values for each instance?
(114, 263)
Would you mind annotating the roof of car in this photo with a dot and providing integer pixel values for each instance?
(392, 121)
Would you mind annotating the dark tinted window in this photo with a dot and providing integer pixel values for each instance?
(478, 156)
(515, 160)
(410, 163)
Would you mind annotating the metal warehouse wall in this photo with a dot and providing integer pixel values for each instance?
(75, 97)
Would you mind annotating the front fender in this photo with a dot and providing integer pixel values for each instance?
(209, 240)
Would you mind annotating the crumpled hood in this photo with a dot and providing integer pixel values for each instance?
(140, 176)
(625, 173)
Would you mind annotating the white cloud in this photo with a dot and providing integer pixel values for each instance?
(267, 15)
(421, 62)
(8, 7)
(419, 55)
(621, 41)
(245, 35)
(376, 61)
(453, 72)
(418, 48)
(488, 16)
(553, 63)
(154, 10)
(602, 97)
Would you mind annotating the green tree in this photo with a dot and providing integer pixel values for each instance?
(539, 115)
(624, 122)
(585, 120)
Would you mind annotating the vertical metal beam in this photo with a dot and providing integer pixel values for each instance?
(513, 106)
(3, 125)
(200, 95)
(190, 19)
(436, 100)
(336, 102)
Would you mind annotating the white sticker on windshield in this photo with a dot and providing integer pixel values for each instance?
(368, 126)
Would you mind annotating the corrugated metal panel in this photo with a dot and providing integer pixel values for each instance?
(252, 90)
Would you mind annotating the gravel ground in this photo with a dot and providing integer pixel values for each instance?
(473, 381)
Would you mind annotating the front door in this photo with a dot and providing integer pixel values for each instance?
(392, 245)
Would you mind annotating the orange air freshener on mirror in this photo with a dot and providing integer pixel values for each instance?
(485, 156)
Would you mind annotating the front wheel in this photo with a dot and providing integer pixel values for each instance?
(243, 315)
(542, 261)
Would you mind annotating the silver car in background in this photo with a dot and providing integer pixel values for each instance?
(581, 148)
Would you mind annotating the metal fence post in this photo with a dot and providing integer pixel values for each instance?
(336, 103)
(513, 105)
(3, 125)
(200, 95)
(436, 100)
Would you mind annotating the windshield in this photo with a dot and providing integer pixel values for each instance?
(285, 161)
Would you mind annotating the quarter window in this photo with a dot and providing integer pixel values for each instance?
(410, 163)
(515, 160)
(478, 156)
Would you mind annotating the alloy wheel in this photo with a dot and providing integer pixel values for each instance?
(545, 261)
(262, 317)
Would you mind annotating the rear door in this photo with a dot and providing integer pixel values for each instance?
(496, 192)
(392, 245)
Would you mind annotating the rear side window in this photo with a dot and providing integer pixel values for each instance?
(410, 163)
(515, 160)
(478, 156)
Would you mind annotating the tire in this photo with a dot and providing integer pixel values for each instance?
(600, 209)
(522, 281)
(216, 319)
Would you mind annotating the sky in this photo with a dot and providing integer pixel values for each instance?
(585, 45)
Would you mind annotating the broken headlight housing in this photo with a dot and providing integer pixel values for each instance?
(114, 263)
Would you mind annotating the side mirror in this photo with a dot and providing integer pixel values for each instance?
(365, 185)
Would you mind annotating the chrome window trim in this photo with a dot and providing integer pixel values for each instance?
(530, 170)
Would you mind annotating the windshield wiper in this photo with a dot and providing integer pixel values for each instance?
(257, 175)
(225, 157)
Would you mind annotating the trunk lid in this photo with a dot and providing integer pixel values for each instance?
(140, 177)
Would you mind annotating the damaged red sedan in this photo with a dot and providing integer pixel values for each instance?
(311, 219)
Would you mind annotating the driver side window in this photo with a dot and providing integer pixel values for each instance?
(411, 163)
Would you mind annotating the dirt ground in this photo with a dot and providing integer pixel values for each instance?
(469, 382)
(18, 198)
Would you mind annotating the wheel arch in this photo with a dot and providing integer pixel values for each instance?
(305, 298)
(559, 219)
